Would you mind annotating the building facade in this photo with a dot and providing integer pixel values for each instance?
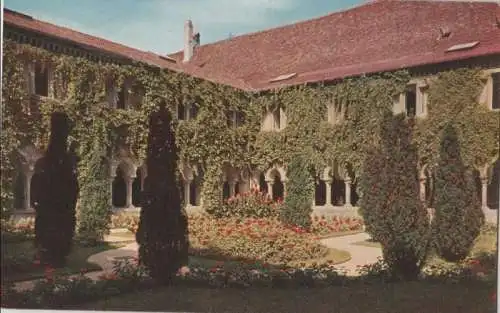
(376, 37)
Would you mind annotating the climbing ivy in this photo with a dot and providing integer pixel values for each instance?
(207, 142)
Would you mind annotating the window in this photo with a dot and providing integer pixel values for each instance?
(193, 111)
(121, 101)
(240, 119)
(181, 111)
(277, 118)
(411, 101)
(41, 80)
(495, 101)
(235, 118)
(230, 118)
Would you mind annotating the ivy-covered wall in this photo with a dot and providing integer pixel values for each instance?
(208, 142)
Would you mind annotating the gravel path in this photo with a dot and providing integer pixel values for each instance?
(360, 255)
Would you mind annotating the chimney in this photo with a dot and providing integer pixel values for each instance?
(188, 41)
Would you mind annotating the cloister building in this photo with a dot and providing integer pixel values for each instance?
(425, 37)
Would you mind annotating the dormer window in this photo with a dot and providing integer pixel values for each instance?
(41, 76)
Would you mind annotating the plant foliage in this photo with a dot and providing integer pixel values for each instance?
(458, 218)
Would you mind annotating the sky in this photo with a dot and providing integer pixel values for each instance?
(158, 25)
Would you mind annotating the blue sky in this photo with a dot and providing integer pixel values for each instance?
(157, 25)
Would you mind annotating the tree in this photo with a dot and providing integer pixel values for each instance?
(297, 207)
(458, 217)
(94, 215)
(55, 195)
(162, 234)
(390, 205)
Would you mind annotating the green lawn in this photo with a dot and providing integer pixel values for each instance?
(485, 242)
(21, 254)
(415, 297)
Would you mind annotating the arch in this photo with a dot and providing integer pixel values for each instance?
(263, 183)
(137, 187)
(320, 193)
(273, 171)
(119, 188)
(278, 188)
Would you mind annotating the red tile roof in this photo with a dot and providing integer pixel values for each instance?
(377, 36)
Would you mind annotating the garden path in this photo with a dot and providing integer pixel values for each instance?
(360, 255)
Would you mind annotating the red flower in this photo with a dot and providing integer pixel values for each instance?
(494, 297)
(213, 269)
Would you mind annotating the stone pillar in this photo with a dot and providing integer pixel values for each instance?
(347, 183)
(111, 180)
(284, 189)
(27, 190)
(128, 181)
(232, 188)
(328, 187)
(270, 188)
(187, 192)
(484, 193)
(422, 180)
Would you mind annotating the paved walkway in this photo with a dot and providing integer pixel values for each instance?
(360, 255)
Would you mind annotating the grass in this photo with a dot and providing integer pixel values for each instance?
(22, 254)
(485, 242)
(413, 297)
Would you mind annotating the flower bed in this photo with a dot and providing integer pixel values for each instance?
(21, 230)
(324, 226)
(252, 239)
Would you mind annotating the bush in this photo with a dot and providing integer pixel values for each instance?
(458, 216)
(55, 192)
(250, 204)
(265, 240)
(297, 207)
(390, 205)
(94, 214)
(125, 220)
(162, 234)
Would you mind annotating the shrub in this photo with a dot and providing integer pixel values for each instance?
(458, 216)
(250, 204)
(251, 239)
(297, 207)
(125, 220)
(390, 205)
(93, 211)
(162, 233)
(55, 192)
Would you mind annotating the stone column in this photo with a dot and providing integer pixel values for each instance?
(111, 180)
(328, 187)
(27, 190)
(484, 193)
(187, 192)
(128, 181)
(347, 183)
(270, 188)
(232, 188)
